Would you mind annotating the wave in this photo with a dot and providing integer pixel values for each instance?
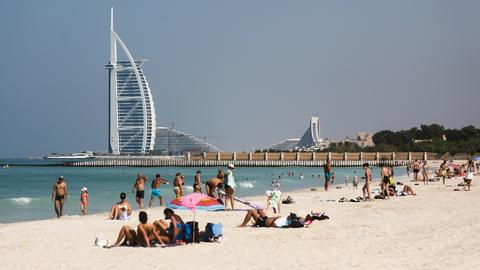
(189, 188)
(247, 184)
(21, 201)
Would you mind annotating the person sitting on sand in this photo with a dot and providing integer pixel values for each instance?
(121, 210)
(407, 190)
(145, 235)
(174, 231)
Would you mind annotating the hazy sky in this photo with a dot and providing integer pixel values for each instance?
(249, 72)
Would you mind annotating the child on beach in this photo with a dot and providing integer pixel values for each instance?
(84, 201)
(346, 180)
(355, 180)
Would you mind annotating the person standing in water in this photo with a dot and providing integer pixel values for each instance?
(140, 187)
(178, 185)
(368, 178)
(197, 184)
(355, 180)
(416, 170)
(84, 201)
(230, 186)
(327, 169)
(59, 195)
(156, 189)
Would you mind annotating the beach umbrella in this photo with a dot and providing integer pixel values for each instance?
(193, 202)
(197, 201)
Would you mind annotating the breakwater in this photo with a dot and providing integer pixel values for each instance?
(305, 159)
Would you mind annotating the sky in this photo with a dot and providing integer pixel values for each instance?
(243, 74)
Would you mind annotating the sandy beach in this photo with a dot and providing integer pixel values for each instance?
(438, 229)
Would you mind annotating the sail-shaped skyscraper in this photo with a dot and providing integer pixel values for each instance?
(131, 110)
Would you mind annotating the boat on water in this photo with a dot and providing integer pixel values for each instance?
(82, 155)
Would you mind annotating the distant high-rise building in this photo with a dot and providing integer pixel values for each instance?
(132, 118)
(310, 140)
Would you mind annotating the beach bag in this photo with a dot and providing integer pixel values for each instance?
(191, 228)
(212, 232)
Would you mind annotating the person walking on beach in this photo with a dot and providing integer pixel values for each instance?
(346, 180)
(230, 186)
(327, 170)
(470, 170)
(425, 172)
(416, 170)
(197, 184)
(156, 189)
(408, 170)
(84, 201)
(139, 186)
(59, 195)
(442, 170)
(368, 178)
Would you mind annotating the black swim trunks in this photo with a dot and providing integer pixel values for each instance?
(59, 197)
(140, 194)
(260, 222)
(416, 170)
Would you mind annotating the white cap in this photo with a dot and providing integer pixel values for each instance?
(84, 189)
(231, 166)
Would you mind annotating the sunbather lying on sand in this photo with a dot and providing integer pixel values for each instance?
(407, 190)
(262, 220)
(144, 236)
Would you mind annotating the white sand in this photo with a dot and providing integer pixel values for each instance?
(438, 229)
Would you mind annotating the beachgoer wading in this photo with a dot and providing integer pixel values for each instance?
(139, 186)
(59, 195)
(156, 189)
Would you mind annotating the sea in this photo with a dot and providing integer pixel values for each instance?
(26, 185)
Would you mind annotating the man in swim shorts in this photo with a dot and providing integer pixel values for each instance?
(140, 187)
(156, 189)
(213, 184)
(416, 170)
(59, 195)
(197, 187)
(327, 169)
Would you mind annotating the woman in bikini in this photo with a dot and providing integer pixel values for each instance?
(121, 210)
(172, 232)
(84, 201)
(145, 235)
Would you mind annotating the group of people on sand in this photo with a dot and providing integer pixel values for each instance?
(149, 234)
(467, 171)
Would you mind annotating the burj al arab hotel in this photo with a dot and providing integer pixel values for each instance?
(131, 110)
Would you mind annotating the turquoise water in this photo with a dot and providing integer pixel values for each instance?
(25, 191)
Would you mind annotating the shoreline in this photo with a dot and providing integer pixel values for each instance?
(421, 232)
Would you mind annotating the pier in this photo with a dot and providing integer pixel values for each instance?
(243, 159)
